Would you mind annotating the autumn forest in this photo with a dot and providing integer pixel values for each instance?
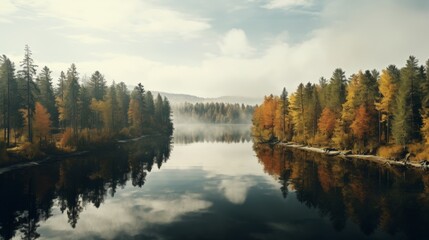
(79, 112)
(374, 112)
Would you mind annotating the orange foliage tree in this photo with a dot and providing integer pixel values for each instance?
(326, 122)
(361, 125)
(42, 123)
(264, 119)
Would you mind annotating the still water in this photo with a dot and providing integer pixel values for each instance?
(205, 185)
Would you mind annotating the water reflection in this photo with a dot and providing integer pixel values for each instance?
(373, 197)
(29, 195)
(230, 133)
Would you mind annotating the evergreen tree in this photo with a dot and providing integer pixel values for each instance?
(407, 120)
(425, 88)
(61, 86)
(9, 105)
(84, 107)
(123, 103)
(97, 86)
(159, 114)
(71, 99)
(27, 73)
(113, 107)
(337, 90)
(284, 113)
(136, 109)
(149, 109)
(46, 96)
(167, 122)
(323, 92)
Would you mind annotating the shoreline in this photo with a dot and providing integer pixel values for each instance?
(49, 158)
(344, 155)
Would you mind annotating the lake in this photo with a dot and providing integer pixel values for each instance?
(212, 182)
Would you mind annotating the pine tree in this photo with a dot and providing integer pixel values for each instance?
(71, 99)
(97, 86)
(113, 107)
(407, 120)
(123, 103)
(149, 109)
(46, 96)
(337, 90)
(136, 109)
(9, 104)
(61, 86)
(28, 72)
(283, 126)
(425, 88)
(84, 108)
(159, 115)
(167, 122)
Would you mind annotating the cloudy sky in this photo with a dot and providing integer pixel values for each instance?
(214, 48)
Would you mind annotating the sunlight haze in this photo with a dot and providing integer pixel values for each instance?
(214, 48)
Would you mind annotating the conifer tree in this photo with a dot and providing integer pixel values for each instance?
(27, 74)
(71, 99)
(9, 102)
(337, 90)
(46, 94)
(407, 120)
(97, 86)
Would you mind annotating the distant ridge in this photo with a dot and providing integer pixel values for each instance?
(177, 98)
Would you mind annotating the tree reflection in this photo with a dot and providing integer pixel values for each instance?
(30, 194)
(374, 197)
(229, 133)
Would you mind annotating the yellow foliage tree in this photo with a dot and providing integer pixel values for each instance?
(101, 108)
(425, 129)
(264, 119)
(349, 106)
(61, 111)
(282, 123)
(388, 89)
(134, 115)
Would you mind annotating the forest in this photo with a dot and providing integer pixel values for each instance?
(79, 112)
(213, 113)
(383, 113)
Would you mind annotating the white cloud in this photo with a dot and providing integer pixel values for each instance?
(286, 4)
(87, 39)
(115, 15)
(6, 8)
(386, 34)
(235, 44)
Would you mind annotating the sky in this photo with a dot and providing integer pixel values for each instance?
(215, 48)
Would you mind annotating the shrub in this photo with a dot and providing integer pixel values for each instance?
(391, 152)
(67, 138)
(3, 153)
(30, 150)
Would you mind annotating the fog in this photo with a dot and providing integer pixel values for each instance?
(200, 132)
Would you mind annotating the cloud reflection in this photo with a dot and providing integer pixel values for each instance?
(235, 189)
(124, 215)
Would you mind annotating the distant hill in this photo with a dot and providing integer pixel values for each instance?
(176, 98)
